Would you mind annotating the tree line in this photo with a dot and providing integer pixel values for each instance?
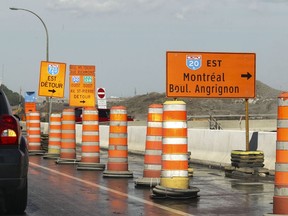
(14, 98)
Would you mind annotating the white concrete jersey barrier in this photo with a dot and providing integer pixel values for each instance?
(206, 146)
(215, 146)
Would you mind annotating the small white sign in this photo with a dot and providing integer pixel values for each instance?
(102, 104)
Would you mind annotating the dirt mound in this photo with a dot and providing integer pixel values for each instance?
(265, 103)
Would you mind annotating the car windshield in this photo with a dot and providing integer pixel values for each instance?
(4, 107)
(78, 112)
(105, 113)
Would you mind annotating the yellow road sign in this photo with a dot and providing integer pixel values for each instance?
(82, 85)
(52, 79)
(215, 75)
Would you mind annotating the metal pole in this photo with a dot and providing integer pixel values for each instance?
(47, 51)
(247, 124)
(46, 30)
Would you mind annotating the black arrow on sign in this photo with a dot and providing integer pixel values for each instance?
(53, 90)
(248, 75)
(82, 101)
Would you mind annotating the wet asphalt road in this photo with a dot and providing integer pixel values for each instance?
(58, 190)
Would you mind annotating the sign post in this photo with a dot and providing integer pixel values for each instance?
(212, 75)
(247, 123)
(101, 98)
(82, 85)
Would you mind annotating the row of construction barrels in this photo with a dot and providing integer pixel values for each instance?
(166, 147)
(171, 148)
(33, 132)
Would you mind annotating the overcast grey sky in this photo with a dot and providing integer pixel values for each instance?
(127, 39)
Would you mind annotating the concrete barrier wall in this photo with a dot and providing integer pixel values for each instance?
(206, 146)
(267, 143)
(215, 146)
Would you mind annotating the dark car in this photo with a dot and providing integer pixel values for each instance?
(103, 115)
(14, 160)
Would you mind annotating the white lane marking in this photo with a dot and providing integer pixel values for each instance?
(113, 191)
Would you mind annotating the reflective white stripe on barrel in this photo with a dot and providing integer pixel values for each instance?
(282, 145)
(174, 124)
(175, 157)
(282, 123)
(174, 173)
(175, 141)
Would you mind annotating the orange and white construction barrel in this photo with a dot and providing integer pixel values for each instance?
(280, 199)
(90, 148)
(153, 147)
(27, 128)
(54, 140)
(174, 180)
(68, 138)
(34, 134)
(117, 165)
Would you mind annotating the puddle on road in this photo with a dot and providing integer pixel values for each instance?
(248, 186)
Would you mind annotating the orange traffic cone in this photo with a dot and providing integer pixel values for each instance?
(153, 147)
(174, 181)
(54, 142)
(117, 165)
(27, 128)
(68, 143)
(280, 199)
(90, 154)
(34, 136)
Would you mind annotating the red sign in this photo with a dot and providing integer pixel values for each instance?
(101, 93)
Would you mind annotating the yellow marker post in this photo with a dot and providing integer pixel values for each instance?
(247, 124)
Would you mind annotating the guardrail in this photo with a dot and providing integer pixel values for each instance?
(232, 117)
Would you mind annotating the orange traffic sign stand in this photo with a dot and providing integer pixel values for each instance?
(82, 85)
(52, 79)
(210, 75)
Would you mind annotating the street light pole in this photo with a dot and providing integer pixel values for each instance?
(46, 30)
(49, 100)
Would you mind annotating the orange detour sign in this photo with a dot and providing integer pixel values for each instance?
(210, 75)
(52, 79)
(82, 85)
